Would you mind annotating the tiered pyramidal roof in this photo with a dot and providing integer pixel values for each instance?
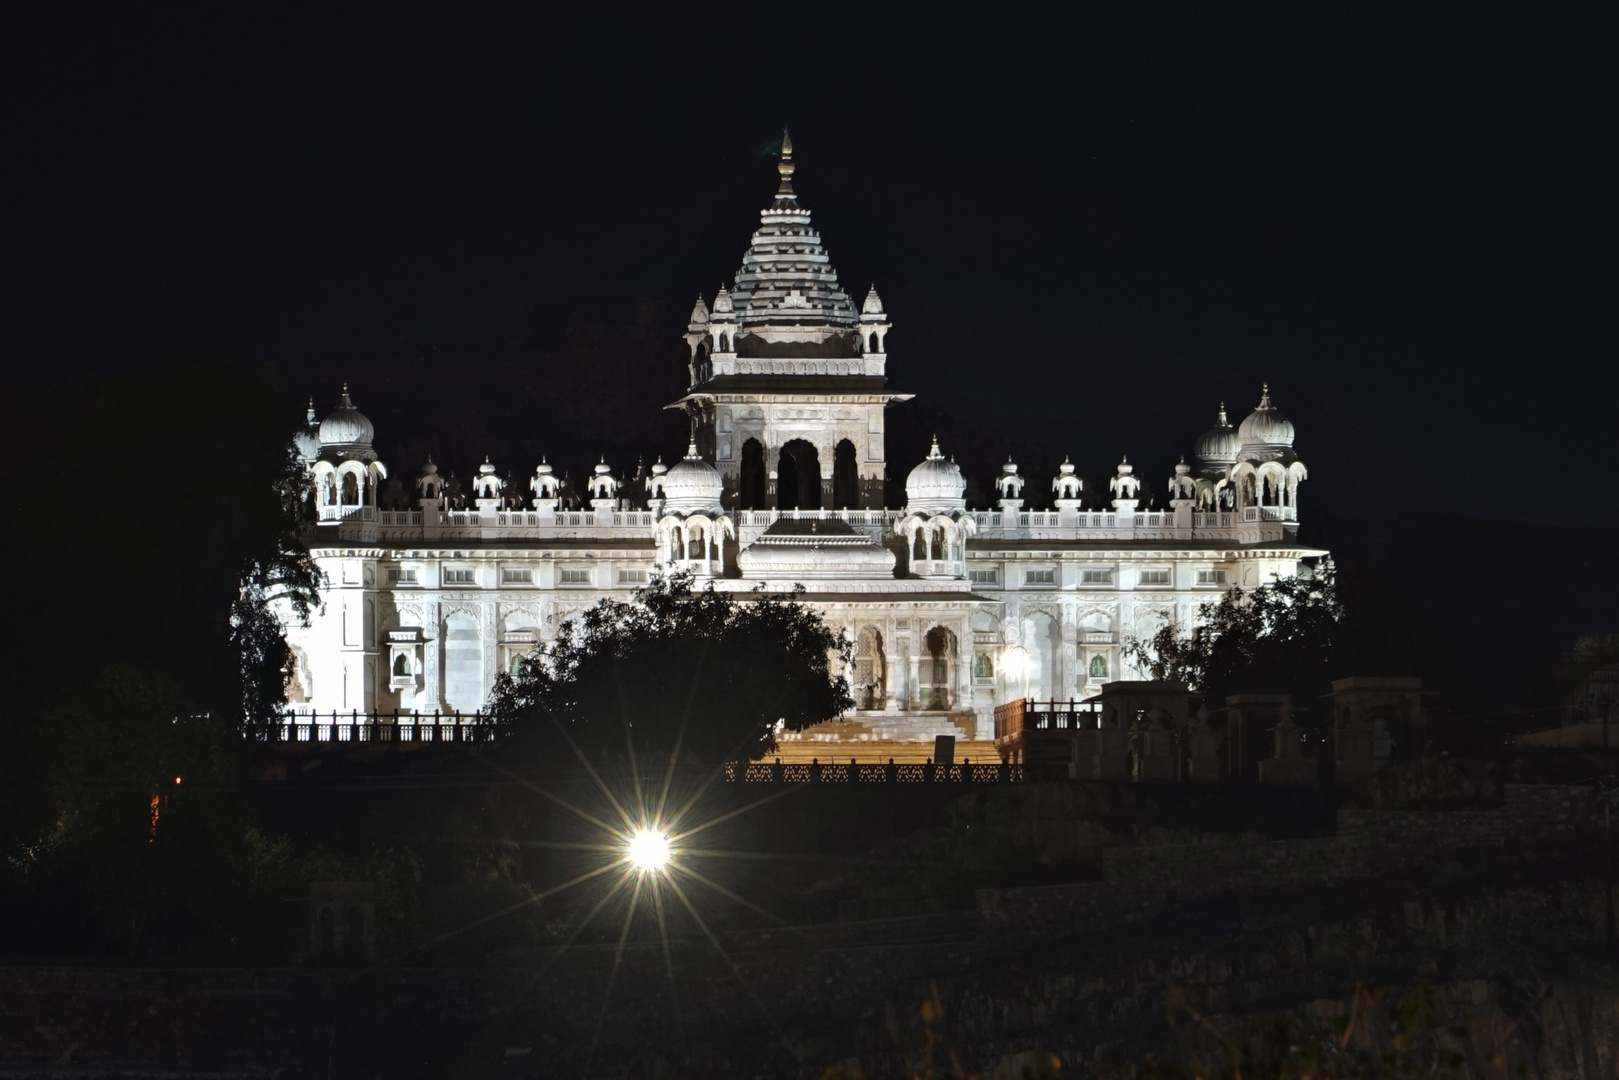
(787, 290)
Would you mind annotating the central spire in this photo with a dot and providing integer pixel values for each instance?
(785, 167)
(786, 293)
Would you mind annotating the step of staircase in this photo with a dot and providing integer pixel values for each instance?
(876, 751)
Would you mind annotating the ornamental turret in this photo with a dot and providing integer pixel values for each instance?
(872, 341)
(603, 487)
(721, 336)
(936, 523)
(1182, 487)
(1010, 486)
(1067, 485)
(1268, 471)
(545, 486)
(429, 485)
(701, 365)
(1125, 486)
(487, 488)
(692, 523)
(346, 474)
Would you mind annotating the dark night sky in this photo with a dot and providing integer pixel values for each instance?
(1088, 232)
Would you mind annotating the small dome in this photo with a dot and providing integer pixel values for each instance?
(346, 426)
(936, 485)
(1265, 428)
(1219, 444)
(693, 486)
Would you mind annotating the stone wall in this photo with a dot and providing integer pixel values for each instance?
(1367, 843)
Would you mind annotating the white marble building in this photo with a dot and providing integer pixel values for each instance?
(952, 610)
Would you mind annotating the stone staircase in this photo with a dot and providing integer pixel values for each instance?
(904, 738)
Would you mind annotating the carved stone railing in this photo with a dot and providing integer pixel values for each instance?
(1025, 716)
(376, 728)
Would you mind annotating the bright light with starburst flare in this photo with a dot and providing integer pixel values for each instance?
(648, 850)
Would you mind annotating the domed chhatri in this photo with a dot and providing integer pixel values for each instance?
(1217, 447)
(936, 486)
(346, 431)
(1265, 428)
(693, 486)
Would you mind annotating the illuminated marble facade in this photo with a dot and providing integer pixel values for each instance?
(431, 593)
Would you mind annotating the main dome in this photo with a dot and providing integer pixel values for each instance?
(346, 425)
(1265, 428)
(693, 486)
(936, 485)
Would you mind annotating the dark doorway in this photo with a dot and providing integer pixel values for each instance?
(845, 477)
(798, 477)
(750, 490)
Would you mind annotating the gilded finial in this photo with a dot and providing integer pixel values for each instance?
(785, 166)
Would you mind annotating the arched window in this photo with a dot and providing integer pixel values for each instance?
(982, 668)
(1098, 667)
(873, 345)
(402, 665)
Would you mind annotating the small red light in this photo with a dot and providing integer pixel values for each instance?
(176, 779)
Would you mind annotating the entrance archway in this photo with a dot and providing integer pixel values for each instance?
(798, 477)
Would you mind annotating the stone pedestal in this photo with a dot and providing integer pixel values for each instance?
(1287, 764)
(1159, 755)
(1202, 753)
(1112, 758)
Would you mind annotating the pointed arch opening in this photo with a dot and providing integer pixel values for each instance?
(845, 476)
(798, 477)
(751, 484)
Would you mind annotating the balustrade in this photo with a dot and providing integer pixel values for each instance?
(870, 772)
(354, 727)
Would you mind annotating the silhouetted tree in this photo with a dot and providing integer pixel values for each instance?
(1282, 637)
(281, 574)
(700, 675)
